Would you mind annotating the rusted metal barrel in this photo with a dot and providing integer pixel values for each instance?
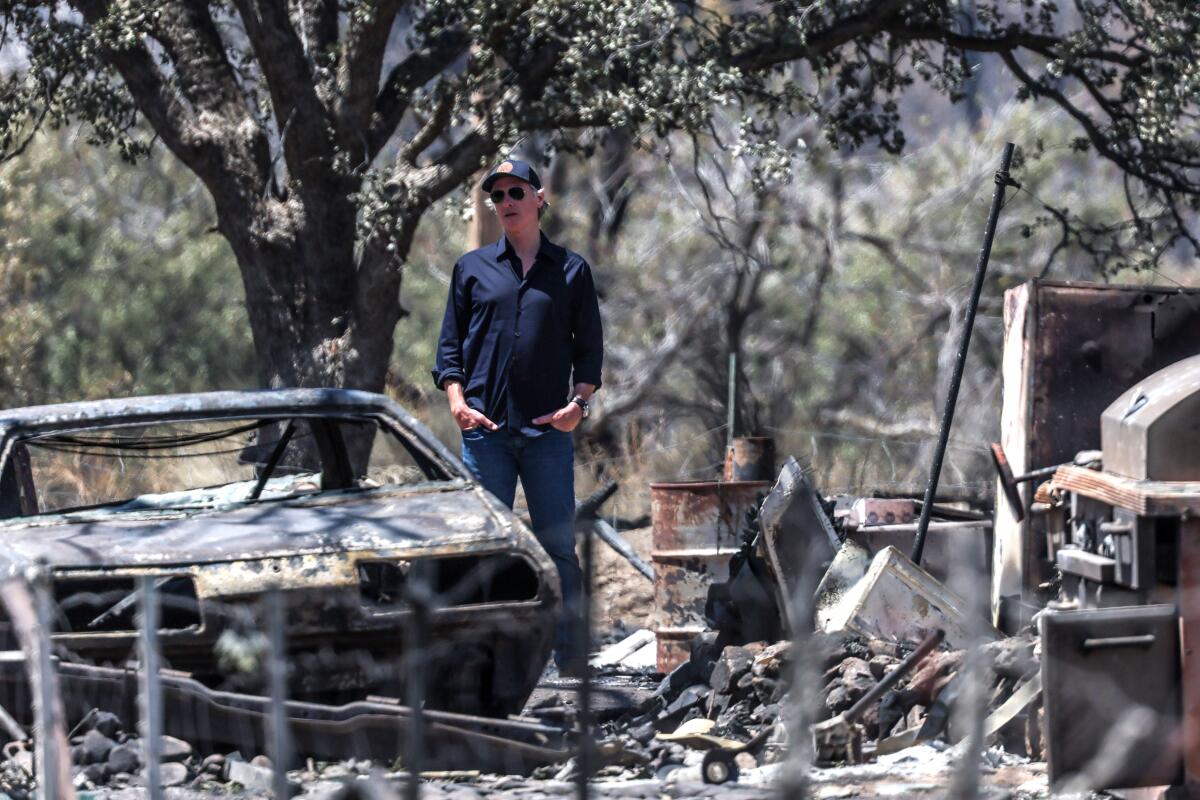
(697, 528)
(750, 458)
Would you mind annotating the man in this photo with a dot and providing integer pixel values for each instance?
(519, 358)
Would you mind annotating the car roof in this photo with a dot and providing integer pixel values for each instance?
(201, 405)
(215, 405)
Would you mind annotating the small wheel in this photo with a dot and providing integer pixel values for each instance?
(718, 766)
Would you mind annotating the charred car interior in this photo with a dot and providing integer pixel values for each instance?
(337, 501)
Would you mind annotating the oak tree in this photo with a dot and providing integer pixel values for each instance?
(325, 129)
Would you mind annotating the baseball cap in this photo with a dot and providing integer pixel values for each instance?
(512, 168)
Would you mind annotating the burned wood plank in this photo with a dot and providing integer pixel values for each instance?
(1144, 498)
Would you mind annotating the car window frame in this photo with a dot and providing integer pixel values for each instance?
(435, 466)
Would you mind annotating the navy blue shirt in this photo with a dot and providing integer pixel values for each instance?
(519, 345)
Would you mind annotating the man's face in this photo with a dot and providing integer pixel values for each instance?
(516, 214)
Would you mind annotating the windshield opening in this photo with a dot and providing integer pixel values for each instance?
(195, 464)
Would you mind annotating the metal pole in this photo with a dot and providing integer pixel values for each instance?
(419, 598)
(150, 697)
(586, 759)
(731, 405)
(281, 743)
(935, 470)
(48, 772)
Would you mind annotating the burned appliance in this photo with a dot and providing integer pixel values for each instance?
(1121, 675)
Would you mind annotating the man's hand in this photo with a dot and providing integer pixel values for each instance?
(565, 419)
(466, 417)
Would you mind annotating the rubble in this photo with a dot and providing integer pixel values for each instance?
(896, 599)
(721, 722)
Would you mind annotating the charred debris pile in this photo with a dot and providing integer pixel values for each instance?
(823, 629)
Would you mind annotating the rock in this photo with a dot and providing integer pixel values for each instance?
(688, 699)
(256, 777)
(767, 690)
(733, 663)
(265, 761)
(745, 761)
(770, 662)
(172, 773)
(1013, 657)
(213, 764)
(97, 773)
(96, 747)
(124, 758)
(173, 749)
(932, 675)
(882, 647)
(643, 733)
(881, 665)
(78, 755)
(765, 713)
(852, 680)
(106, 723)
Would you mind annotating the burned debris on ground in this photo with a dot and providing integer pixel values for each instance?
(856, 646)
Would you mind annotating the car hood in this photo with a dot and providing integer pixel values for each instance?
(374, 520)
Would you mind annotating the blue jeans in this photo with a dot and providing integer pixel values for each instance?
(546, 466)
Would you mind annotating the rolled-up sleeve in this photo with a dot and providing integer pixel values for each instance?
(587, 332)
(449, 362)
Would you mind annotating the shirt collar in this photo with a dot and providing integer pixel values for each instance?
(504, 249)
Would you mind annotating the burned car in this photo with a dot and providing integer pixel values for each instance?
(336, 502)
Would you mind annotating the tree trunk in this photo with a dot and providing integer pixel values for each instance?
(305, 296)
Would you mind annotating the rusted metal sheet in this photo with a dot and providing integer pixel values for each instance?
(750, 458)
(798, 538)
(674, 646)
(696, 529)
(1070, 350)
(680, 590)
(701, 514)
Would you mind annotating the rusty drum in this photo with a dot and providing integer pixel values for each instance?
(697, 528)
(750, 458)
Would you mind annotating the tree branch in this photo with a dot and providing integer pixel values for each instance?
(308, 148)
(206, 78)
(433, 127)
(162, 107)
(362, 61)
(791, 46)
(420, 67)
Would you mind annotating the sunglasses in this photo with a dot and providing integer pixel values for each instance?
(515, 192)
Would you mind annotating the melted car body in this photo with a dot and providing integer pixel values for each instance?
(336, 501)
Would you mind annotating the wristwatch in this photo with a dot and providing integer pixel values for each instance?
(579, 401)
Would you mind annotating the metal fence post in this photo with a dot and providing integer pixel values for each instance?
(47, 754)
(150, 705)
(277, 674)
(419, 598)
(586, 758)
